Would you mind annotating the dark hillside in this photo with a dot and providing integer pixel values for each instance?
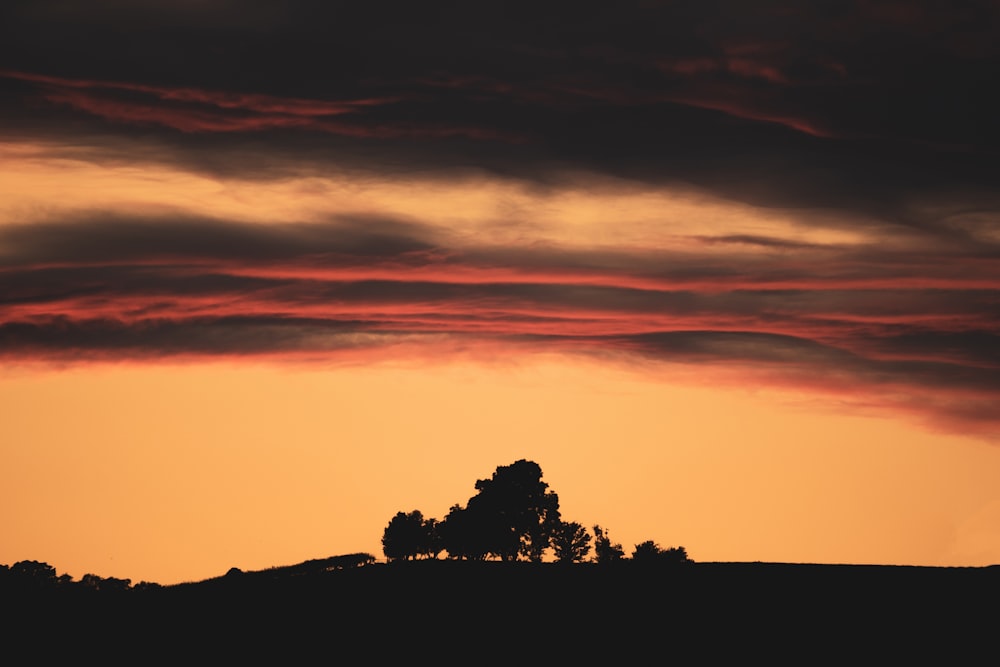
(460, 612)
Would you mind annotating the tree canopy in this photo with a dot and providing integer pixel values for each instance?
(513, 515)
(571, 542)
(410, 535)
(516, 510)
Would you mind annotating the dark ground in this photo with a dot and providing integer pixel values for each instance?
(445, 612)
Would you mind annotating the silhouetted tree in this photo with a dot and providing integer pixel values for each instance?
(463, 535)
(571, 542)
(431, 544)
(35, 573)
(604, 550)
(515, 512)
(410, 535)
(33, 570)
(403, 538)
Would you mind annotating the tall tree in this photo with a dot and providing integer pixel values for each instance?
(516, 511)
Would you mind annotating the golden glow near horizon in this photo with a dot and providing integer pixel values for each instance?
(175, 473)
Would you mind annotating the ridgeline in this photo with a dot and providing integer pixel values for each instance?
(490, 612)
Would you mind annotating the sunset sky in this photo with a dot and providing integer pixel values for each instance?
(270, 272)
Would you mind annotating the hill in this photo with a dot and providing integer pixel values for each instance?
(461, 612)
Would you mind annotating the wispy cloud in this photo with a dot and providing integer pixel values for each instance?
(136, 288)
(199, 110)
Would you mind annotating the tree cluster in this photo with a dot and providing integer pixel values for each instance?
(38, 575)
(513, 516)
(410, 535)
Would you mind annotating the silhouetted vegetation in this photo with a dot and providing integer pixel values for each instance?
(605, 550)
(651, 552)
(409, 536)
(32, 575)
(513, 516)
(571, 542)
(315, 565)
(105, 583)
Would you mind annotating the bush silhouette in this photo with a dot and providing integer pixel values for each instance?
(651, 552)
(605, 551)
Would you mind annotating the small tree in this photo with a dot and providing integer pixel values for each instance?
(403, 538)
(604, 550)
(571, 542)
(463, 534)
(431, 544)
(646, 552)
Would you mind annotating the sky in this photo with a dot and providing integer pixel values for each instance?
(271, 272)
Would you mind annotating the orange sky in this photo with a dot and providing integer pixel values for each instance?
(177, 473)
(254, 303)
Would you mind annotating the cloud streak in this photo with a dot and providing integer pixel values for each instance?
(846, 233)
(176, 288)
(199, 110)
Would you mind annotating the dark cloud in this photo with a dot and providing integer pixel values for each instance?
(798, 356)
(858, 106)
(873, 117)
(979, 348)
(110, 237)
(151, 288)
(71, 340)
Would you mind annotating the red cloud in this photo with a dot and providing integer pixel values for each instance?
(265, 104)
(197, 110)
